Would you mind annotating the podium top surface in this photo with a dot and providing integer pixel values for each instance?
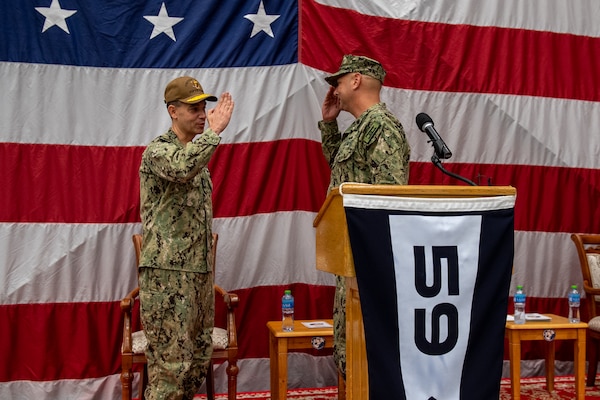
(425, 191)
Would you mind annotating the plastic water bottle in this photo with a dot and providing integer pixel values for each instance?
(287, 311)
(520, 299)
(574, 301)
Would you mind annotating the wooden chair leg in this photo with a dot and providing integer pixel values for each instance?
(592, 362)
(210, 382)
(126, 380)
(232, 372)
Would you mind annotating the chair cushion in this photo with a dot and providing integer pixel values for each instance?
(139, 342)
(219, 338)
(594, 324)
(594, 263)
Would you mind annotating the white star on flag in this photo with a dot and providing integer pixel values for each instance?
(55, 16)
(163, 23)
(261, 21)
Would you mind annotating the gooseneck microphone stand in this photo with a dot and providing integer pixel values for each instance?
(425, 124)
(438, 163)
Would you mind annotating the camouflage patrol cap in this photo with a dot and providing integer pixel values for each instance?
(362, 64)
(187, 90)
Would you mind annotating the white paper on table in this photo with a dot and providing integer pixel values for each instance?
(531, 317)
(317, 324)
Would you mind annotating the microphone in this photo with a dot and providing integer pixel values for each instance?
(425, 124)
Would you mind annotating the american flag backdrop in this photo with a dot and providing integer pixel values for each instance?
(512, 86)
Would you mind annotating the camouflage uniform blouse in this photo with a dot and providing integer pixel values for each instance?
(373, 150)
(176, 203)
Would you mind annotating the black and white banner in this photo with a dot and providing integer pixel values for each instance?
(433, 276)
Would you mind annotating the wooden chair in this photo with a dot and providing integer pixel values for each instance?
(588, 249)
(224, 340)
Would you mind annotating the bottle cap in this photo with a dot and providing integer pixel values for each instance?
(519, 287)
(573, 286)
(287, 291)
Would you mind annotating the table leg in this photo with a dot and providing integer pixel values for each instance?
(514, 344)
(579, 351)
(278, 350)
(550, 357)
(341, 387)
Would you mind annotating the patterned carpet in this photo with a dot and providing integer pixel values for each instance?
(535, 389)
(531, 389)
(327, 393)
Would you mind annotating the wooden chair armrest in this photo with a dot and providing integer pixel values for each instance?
(590, 290)
(129, 300)
(231, 301)
(127, 308)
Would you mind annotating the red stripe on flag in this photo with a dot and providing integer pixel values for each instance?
(83, 340)
(253, 178)
(59, 341)
(264, 177)
(548, 198)
(63, 183)
(92, 184)
(454, 58)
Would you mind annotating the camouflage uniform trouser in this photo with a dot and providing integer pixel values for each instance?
(339, 325)
(177, 313)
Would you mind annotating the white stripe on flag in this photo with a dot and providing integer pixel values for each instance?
(106, 387)
(533, 125)
(259, 250)
(128, 107)
(536, 253)
(277, 249)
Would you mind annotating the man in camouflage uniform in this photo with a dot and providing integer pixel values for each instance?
(372, 150)
(176, 285)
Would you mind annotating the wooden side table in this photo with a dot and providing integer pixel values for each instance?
(301, 338)
(558, 328)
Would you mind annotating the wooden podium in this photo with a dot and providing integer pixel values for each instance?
(334, 255)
